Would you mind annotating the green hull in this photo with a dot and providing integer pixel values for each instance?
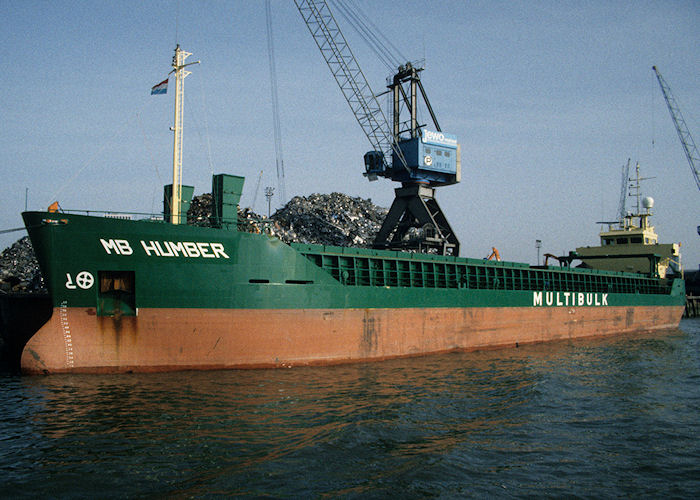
(179, 266)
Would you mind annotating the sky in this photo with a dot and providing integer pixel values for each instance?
(547, 99)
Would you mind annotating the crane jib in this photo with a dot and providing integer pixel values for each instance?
(689, 148)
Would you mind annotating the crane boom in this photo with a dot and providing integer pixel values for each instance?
(347, 74)
(691, 151)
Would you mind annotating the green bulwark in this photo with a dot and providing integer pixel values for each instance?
(185, 200)
(226, 193)
(375, 268)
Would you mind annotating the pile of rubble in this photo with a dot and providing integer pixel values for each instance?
(325, 219)
(328, 219)
(19, 269)
(201, 212)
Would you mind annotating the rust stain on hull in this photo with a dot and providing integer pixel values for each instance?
(179, 339)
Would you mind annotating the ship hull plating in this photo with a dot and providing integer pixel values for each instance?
(75, 340)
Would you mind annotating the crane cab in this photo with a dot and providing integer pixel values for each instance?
(432, 158)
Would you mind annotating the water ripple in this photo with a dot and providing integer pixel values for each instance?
(594, 418)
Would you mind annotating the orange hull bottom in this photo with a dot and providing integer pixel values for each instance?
(75, 340)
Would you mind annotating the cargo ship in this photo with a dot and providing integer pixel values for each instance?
(158, 294)
(143, 295)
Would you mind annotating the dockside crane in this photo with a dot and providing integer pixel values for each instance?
(403, 151)
(691, 151)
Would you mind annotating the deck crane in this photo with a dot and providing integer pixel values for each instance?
(691, 152)
(405, 151)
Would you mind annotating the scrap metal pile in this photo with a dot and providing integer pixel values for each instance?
(19, 269)
(325, 219)
(201, 212)
(329, 219)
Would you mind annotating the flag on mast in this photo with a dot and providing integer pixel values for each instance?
(161, 88)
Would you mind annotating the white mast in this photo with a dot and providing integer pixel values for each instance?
(180, 74)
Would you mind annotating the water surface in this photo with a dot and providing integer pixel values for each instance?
(591, 418)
